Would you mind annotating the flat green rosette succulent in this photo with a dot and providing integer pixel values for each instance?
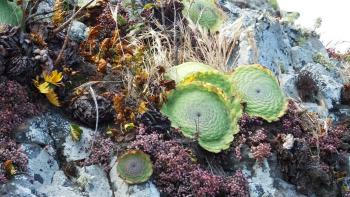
(10, 13)
(205, 13)
(179, 72)
(135, 167)
(215, 78)
(203, 111)
(260, 92)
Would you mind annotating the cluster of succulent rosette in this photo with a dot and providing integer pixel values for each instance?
(207, 104)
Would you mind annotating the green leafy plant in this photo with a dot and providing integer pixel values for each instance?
(135, 167)
(203, 112)
(260, 92)
(205, 13)
(75, 132)
(213, 77)
(10, 13)
(179, 72)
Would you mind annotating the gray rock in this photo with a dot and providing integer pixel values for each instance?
(321, 110)
(330, 86)
(120, 188)
(97, 181)
(44, 10)
(287, 82)
(78, 150)
(47, 129)
(265, 181)
(302, 55)
(41, 169)
(42, 164)
(60, 187)
(78, 31)
(261, 42)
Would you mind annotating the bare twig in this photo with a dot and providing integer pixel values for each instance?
(59, 57)
(65, 24)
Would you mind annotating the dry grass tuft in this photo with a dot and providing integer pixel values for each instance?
(183, 44)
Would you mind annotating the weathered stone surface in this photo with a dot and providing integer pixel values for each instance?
(78, 31)
(97, 181)
(78, 150)
(47, 129)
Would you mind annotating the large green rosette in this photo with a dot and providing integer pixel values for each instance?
(260, 91)
(204, 13)
(179, 72)
(10, 13)
(203, 111)
(134, 167)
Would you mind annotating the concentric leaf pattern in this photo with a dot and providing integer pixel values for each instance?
(203, 111)
(135, 167)
(260, 92)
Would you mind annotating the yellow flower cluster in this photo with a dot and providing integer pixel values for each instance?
(47, 87)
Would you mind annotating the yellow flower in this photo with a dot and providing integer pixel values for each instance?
(44, 87)
(53, 98)
(142, 108)
(53, 78)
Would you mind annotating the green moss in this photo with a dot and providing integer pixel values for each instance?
(320, 59)
(260, 92)
(274, 4)
(203, 111)
(203, 12)
(134, 167)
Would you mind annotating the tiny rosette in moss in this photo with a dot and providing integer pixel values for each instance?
(179, 72)
(205, 13)
(260, 91)
(135, 167)
(202, 110)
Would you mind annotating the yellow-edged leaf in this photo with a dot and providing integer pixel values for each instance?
(54, 77)
(75, 132)
(10, 168)
(53, 98)
(129, 126)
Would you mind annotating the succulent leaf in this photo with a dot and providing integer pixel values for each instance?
(205, 13)
(203, 111)
(10, 13)
(215, 78)
(135, 167)
(179, 72)
(260, 92)
(75, 132)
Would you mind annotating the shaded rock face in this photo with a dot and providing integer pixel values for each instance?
(47, 142)
(285, 49)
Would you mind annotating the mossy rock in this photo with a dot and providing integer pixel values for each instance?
(134, 167)
(204, 13)
(203, 111)
(260, 92)
(179, 72)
